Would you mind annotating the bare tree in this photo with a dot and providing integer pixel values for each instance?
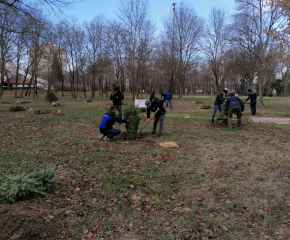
(95, 32)
(134, 18)
(253, 22)
(188, 33)
(7, 39)
(116, 49)
(28, 8)
(215, 44)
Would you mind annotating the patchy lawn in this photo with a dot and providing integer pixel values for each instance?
(219, 183)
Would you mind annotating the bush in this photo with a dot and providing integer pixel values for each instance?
(89, 100)
(23, 186)
(16, 108)
(206, 106)
(17, 96)
(51, 97)
(132, 126)
(223, 112)
(24, 102)
(42, 111)
(270, 94)
(141, 110)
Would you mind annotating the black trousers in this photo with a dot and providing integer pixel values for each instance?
(253, 107)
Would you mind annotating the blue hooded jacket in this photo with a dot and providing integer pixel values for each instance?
(109, 120)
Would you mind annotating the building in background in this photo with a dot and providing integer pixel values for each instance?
(43, 56)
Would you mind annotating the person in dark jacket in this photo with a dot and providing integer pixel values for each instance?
(234, 104)
(253, 100)
(163, 96)
(151, 98)
(159, 115)
(117, 98)
(220, 98)
(168, 96)
(106, 125)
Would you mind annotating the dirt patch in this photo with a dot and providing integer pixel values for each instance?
(27, 221)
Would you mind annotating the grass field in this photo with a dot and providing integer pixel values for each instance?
(219, 183)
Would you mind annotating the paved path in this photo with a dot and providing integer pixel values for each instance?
(270, 120)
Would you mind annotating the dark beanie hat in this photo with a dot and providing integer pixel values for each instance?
(249, 90)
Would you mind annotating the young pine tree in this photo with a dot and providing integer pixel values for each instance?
(132, 126)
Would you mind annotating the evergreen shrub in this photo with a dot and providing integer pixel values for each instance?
(24, 102)
(132, 126)
(42, 111)
(23, 186)
(51, 97)
(16, 108)
(206, 106)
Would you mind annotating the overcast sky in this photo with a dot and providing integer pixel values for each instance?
(158, 9)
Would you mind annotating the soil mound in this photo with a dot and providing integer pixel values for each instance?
(27, 222)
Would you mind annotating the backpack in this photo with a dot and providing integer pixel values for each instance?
(168, 95)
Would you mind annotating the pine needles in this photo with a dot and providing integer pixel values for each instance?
(132, 126)
(25, 185)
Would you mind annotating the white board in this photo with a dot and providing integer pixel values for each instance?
(140, 103)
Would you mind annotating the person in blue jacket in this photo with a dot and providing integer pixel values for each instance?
(159, 115)
(253, 100)
(168, 96)
(106, 126)
(220, 98)
(234, 104)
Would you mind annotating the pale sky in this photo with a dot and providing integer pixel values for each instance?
(158, 9)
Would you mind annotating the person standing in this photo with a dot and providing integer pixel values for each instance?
(253, 101)
(168, 99)
(163, 96)
(151, 98)
(220, 98)
(234, 104)
(117, 98)
(106, 125)
(159, 115)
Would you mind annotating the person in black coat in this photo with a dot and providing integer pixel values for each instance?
(117, 98)
(159, 115)
(253, 101)
(151, 98)
(220, 98)
(234, 104)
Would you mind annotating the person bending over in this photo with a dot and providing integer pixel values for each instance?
(159, 115)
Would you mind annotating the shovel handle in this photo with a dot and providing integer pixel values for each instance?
(149, 121)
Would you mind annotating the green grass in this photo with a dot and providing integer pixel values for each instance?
(217, 177)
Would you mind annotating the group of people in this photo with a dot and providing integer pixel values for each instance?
(167, 97)
(153, 105)
(234, 105)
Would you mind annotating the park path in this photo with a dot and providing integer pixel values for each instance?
(270, 120)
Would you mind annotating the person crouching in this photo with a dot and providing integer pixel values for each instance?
(234, 104)
(159, 115)
(106, 126)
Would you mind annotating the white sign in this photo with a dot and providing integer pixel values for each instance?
(140, 103)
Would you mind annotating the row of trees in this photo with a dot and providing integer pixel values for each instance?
(186, 55)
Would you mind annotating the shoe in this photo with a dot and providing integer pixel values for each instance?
(152, 132)
(106, 139)
(102, 136)
(159, 135)
(212, 120)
